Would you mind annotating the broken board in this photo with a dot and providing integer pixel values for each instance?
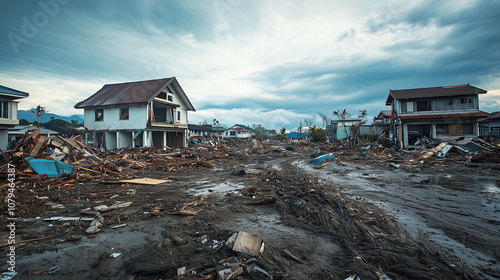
(248, 243)
(143, 181)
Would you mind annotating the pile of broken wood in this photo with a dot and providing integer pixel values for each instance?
(92, 164)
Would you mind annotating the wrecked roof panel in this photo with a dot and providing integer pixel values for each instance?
(433, 92)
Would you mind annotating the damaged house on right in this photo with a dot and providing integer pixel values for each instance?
(443, 113)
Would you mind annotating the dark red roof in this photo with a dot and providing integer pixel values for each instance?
(479, 114)
(433, 92)
(126, 93)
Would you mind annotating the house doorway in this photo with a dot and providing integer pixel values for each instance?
(417, 132)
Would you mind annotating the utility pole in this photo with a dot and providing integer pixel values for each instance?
(300, 130)
(39, 111)
(217, 125)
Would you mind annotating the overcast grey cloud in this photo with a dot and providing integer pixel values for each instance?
(243, 61)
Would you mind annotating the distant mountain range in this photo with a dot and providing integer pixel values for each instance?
(31, 117)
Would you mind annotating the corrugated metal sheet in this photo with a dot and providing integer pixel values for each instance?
(433, 92)
(4, 89)
(125, 93)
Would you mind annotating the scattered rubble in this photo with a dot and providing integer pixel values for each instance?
(199, 237)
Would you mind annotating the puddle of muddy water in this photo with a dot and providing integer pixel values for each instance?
(220, 189)
(68, 255)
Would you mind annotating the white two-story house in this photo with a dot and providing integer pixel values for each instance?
(8, 112)
(442, 113)
(137, 114)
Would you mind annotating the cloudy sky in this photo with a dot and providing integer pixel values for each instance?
(251, 61)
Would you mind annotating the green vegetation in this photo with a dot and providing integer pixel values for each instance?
(258, 131)
(282, 134)
(317, 134)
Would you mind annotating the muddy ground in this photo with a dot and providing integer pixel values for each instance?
(349, 216)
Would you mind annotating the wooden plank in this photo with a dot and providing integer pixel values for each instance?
(71, 144)
(143, 181)
(185, 212)
(4, 156)
(38, 146)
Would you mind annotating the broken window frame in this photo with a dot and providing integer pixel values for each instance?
(423, 106)
(99, 115)
(124, 114)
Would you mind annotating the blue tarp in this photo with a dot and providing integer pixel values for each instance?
(52, 168)
(322, 158)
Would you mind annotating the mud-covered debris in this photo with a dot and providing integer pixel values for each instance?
(248, 244)
(95, 225)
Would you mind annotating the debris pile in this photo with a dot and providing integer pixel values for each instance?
(37, 155)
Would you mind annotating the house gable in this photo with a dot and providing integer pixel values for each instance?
(140, 92)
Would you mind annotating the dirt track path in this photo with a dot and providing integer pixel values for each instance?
(459, 213)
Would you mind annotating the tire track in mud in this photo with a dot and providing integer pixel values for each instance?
(468, 238)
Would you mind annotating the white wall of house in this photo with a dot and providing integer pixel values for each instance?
(138, 117)
(4, 140)
(124, 139)
(110, 140)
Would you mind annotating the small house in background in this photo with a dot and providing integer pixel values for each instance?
(200, 130)
(383, 118)
(343, 128)
(270, 133)
(238, 131)
(8, 112)
(17, 132)
(137, 114)
(442, 113)
(491, 125)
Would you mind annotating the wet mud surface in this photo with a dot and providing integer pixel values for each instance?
(330, 220)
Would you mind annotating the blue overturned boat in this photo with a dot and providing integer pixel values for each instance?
(51, 168)
(322, 158)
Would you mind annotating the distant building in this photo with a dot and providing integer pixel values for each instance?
(17, 132)
(383, 118)
(342, 128)
(492, 124)
(137, 114)
(270, 132)
(443, 113)
(200, 130)
(295, 135)
(238, 131)
(8, 112)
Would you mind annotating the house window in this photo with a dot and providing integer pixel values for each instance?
(99, 115)
(178, 115)
(170, 97)
(162, 95)
(423, 105)
(123, 114)
(4, 109)
(441, 128)
(465, 100)
(232, 133)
